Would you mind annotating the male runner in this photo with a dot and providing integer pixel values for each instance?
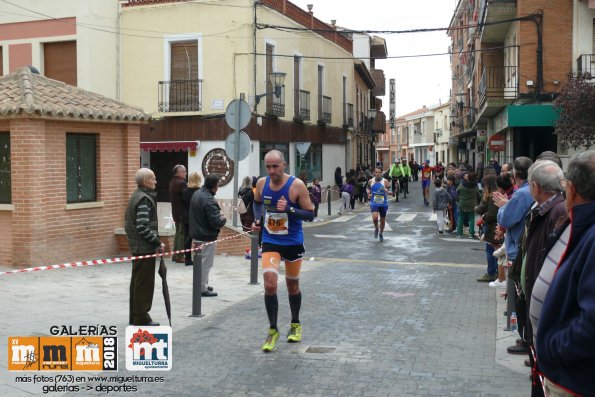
(426, 178)
(284, 202)
(378, 187)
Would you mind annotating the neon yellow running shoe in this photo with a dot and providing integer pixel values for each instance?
(270, 344)
(295, 333)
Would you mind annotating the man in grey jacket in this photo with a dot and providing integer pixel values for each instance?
(206, 220)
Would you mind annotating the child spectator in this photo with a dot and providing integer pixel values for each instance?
(346, 193)
(440, 201)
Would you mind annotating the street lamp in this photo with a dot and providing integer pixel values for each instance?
(277, 79)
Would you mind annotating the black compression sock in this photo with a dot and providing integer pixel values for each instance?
(272, 305)
(295, 303)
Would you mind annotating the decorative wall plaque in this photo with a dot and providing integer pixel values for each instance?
(218, 162)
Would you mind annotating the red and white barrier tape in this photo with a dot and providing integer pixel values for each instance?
(95, 262)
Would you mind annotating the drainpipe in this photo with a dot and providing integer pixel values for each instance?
(256, 2)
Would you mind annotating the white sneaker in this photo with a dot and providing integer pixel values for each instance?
(498, 284)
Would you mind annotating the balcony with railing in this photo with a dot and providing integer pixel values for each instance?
(325, 106)
(497, 10)
(348, 115)
(179, 96)
(586, 64)
(276, 106)
(379, 82)
(301, 105)
(498, 87)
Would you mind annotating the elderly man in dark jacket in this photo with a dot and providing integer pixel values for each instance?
(206, 220)
(545, 186)
(140, 224)
(176, 187)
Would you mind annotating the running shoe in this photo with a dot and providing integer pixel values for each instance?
(295, 333)
(381, 238)
(375, 233)
(270, 344)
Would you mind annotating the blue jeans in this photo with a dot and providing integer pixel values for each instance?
(492, 261)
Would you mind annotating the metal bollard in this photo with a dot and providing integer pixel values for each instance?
(254, 258)
(328, 198)
(196, 280)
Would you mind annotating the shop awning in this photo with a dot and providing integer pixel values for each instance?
(169, 146)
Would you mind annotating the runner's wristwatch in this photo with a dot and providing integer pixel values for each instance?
(291, 210)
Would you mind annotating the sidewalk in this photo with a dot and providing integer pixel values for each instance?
(98, 295)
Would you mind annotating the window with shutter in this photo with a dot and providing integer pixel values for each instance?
(184, 92)
(81, 168)
(5, 179)
(59, 61)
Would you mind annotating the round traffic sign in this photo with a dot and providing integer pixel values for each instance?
(497, 143)
(238, 111)
(230, 145)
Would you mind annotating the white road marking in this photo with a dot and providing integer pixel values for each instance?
(330, 236)
(432, 217)
(343, 218)
(406, 217)
(460, 240)
(370, 226)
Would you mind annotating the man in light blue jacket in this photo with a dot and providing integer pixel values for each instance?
(511, 215)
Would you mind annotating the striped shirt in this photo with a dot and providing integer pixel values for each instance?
(142, 222)
(545, 278)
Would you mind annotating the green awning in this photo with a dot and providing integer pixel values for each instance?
(531, 115)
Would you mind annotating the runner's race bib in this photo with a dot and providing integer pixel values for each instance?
(276, 223)
(378, 199)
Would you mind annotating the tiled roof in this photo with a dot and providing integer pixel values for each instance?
(26, 92)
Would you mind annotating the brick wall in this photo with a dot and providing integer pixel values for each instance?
(44, 232)
(557, 43)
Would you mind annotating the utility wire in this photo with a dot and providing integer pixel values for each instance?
(388, 57)
(422, 30)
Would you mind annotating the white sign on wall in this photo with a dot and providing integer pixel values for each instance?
(391, 102)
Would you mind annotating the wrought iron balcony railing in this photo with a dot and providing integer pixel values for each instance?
(347, 115)
(180, 96)
(324, 109)
(586, 64)
(301, 104)
(277, 105)
(498, 82)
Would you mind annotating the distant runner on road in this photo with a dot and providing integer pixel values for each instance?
(426, 177)
(378, 187)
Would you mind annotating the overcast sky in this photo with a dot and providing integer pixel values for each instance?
(419, 81)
